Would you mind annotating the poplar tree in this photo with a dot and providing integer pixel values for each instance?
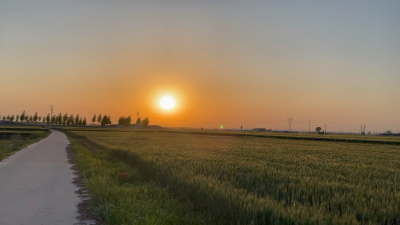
(77, 119)
(35, 117)
(22, 117)
(48, 118)
(99, 118)
(94, 119)
(65, 118)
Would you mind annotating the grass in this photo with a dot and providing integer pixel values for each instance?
(134, 201)
(252, 180)
(16, 141)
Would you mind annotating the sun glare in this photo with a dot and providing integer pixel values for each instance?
(167, 102)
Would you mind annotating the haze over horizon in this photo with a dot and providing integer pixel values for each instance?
(250, 64)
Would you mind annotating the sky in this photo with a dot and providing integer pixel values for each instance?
(231, 63)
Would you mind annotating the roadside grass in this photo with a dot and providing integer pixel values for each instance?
(18, 142)
(133, 201)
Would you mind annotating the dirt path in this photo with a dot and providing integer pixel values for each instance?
(36, 185)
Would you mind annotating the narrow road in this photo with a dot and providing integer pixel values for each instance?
(35, 185)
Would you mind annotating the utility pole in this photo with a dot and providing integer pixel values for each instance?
(325, 128)
(309, 127)
(290, 120)
(51, 109)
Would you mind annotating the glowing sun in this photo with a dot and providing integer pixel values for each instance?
(167, 102)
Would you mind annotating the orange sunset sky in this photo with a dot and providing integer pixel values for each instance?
(231, 63)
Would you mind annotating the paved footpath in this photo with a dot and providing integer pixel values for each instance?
(35, 185)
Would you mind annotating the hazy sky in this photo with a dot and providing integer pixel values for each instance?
(250, 63)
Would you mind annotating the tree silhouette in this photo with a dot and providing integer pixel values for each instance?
(35, 117)
(318, 129)
(94, 119)
(84, 122)
(106, 120)
(99, 118)
(12, 118)
(65, 118)
(22, 117)
(17, 118)
(146, 122)
(44, 119)
(60, 118)
(40, 118)
(8, 118)
(31, 118)
(125, 121)
(48, 118)
(138, 121)
(71, 120)
(77, 119)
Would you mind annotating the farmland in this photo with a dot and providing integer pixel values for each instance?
(253, 180)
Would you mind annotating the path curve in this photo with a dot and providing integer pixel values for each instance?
(36, 185)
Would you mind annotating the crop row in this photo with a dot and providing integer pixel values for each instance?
(256, 180)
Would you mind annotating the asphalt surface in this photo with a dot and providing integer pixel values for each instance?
(36, 185)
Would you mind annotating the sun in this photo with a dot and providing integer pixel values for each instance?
(167, 102)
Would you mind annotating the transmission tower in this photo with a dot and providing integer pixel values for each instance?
(290, 120)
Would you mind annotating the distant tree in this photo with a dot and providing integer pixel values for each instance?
(17, 118)
(60, 118)
(146, 122)
(99, 118)
(106, 120)
(8, 118)
(48, 118)
(40, 118)
(80, 121)
(77, 119)
(94, 119)
(389, 132)
(84, 122)
(35, 117)
(4, 118)
(31, 118)
(125, 121)
(12, 118)
(139, 121)
(318, 129)
(65, 118)
(44, 119)
(71, 120)
(22, 116)
(53, 120)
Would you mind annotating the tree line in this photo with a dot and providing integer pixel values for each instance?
(60, 119)
(126, 121)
